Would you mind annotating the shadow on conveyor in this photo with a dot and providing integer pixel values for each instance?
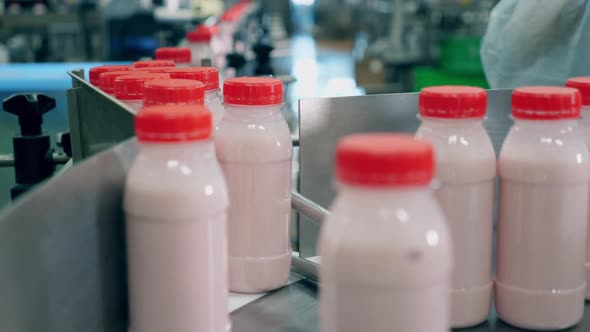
(293, 308)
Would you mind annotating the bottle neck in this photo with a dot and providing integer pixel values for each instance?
(444, 122)
(585, 120)
(390, 192)
(545, 124)
(253, 112)
(209, 94)
(201, 149)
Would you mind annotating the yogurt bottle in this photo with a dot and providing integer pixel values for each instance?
(386, 255)
(452, 119)
(209, 76)
(175, 203)
(173, 91)
(94, 73)
(200, 43)
(254, 148)
(107, 80)
(583, 85)
(153, 63)
(543, 209)
(180, 55)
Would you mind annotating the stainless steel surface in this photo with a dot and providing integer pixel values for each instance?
(308, 208)
(7, 160)
(294, 308)
(305, 268)
(97, 120)
(62, 251)
(290, 309)
(323, 121)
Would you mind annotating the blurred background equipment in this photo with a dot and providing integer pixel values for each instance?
(372, 46)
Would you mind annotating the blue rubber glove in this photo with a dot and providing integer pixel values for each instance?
(536, 42)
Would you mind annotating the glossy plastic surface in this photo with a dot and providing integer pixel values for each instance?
(214, 104)
(200, 51)
(466, 168)
(254, 149)
(176, 204)
(398, 243)
(544, 171)
(585, 127)
(135, 105)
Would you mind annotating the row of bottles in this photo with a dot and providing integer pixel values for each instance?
(208, 209)
(208, 204)
(390, 263)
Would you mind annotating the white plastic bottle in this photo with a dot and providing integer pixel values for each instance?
(173, 91)
(209, 76)
(544, 175)
(199, 41)
(583, 85)
(386, 255)
(129, 88)
(180, 55)
(176, 203)
(254, 148)
(452, 119)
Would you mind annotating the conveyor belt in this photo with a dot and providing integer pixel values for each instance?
(294, 308)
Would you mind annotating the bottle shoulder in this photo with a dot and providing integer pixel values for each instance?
(253, 140)
(399, 239)
(463, 154)
(165, 187)
(545, 155)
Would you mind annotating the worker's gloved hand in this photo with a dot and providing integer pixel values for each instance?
(536, 42)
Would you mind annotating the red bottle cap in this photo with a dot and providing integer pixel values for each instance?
(173, 91)
(253, 91)
(582, 84)
(107, 80)
(453, 102)
(159, 70)
(153, 63)
(94, 73)
(173, 123)
(202, 33)
(207, 75)
(546, 103)
(176, 54)
(130, 87)
(384, 160)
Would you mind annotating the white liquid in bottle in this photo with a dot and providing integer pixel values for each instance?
(385, 250)
(254, 148)
(544, 175)
(200, 43)
(583, 85)
(452, 119)
(176, 207)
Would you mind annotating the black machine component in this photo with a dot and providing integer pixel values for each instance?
(33, 154)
